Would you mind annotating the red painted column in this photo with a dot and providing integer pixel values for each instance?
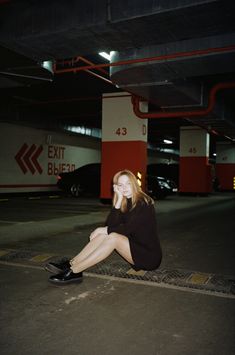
(225, 165)
(124, 140)
(195, 170)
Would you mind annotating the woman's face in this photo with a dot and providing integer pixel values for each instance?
(124, 186)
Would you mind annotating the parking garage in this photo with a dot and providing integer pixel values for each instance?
(163, 99)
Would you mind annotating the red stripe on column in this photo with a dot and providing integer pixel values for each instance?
(195, 175)
(116, 156)
(225, 173)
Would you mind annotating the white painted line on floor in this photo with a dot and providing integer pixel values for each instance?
(6, 263)
(162, 285)
(9, 222)
(138, 282)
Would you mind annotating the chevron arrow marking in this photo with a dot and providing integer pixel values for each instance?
(27, 158)
(19, 156)
(35, 157)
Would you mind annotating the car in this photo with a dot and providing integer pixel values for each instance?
(85, 181)
(160, 187)
(82, 181)
(168, 171)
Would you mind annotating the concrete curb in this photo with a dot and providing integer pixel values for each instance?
(21, 231)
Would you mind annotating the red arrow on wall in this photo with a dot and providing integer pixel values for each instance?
(27, 158)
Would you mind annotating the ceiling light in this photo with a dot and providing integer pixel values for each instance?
(214, 154)
(167, 141)
(105, 55)
(48, 65)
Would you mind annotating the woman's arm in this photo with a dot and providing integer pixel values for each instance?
(115, 216)
(138, 217)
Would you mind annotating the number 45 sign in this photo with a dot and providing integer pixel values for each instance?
(194, 142)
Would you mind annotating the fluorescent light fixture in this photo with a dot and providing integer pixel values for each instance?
(105, 55)
(167, 141)
(48, 65)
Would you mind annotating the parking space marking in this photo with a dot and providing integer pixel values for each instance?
(136, 273)
(199, 278)
(41, 258)
(4, 252)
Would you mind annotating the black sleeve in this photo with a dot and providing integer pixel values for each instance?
(114, 218)
(136, 219)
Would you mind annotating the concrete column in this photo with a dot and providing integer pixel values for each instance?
(124, 140)
(195, 170)
(225, 165)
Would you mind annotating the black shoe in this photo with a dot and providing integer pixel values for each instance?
(59, 267)
(66, 277)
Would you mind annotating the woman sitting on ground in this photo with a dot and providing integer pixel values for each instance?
(131, 230)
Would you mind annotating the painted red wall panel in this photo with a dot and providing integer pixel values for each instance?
(225, 174)
(117, 156)
(195, 175)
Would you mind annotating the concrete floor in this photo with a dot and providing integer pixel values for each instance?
(110, 315)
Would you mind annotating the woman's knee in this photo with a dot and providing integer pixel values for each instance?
(114, 238)
(99, 236)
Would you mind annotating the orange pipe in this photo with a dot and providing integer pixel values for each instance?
(90, 63)
(88, 71)
(75, 60)
(151, 59)
(211, 103)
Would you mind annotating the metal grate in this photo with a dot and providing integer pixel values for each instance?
(115, 267)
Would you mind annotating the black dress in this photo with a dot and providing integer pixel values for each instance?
(139, 225)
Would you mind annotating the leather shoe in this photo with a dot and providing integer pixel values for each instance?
(58, 267)
(66, 277)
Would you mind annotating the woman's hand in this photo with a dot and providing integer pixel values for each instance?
(97, 231)
(118, 192)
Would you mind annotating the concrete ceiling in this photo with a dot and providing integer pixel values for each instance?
(174, 52)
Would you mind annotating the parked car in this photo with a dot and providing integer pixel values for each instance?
(156, 187)
(168, 171)
(85, 181)
(82, 181)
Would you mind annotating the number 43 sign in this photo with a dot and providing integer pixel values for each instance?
(119, 123)
(123, 130)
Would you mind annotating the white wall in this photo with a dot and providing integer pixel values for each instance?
(31, 158)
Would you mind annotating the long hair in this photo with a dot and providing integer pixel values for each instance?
(137, 193)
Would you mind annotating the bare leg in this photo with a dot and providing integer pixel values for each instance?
(111, 242)
(88, 249)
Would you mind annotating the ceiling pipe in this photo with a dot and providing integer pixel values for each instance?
(25, 76)
(192, 113)
(90, 63)
(71, 62)
(99, 77)
(75, 60)
(181, 114)
(181, 55)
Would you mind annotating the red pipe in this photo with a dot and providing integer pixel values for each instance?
(88, 71)
(90, 63)
(151, 59)
(75, 60)
(211, 103)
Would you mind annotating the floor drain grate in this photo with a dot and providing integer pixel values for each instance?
(121, 269)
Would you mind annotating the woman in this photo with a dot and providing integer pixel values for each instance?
(131, 230)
